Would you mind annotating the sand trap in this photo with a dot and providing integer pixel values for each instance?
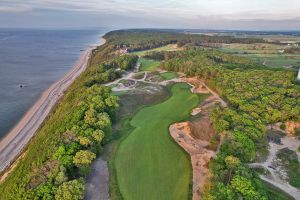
(194, 137)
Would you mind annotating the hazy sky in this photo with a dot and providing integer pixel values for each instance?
(209, 14)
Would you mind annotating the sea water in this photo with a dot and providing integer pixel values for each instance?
(30, 61)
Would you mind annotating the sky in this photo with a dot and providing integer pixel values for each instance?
(194, 14)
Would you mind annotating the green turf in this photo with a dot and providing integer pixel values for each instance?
(149, 164)
(168, 75)
(148, 65)
(169, 47)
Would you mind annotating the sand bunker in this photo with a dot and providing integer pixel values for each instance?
(194, 137)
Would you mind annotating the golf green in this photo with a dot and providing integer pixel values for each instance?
(149, 164)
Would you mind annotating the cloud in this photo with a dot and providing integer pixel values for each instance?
(157, 12)
(188, 8)
(10, 9)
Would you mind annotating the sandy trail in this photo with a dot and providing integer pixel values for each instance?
(275, 179)
(16, 140)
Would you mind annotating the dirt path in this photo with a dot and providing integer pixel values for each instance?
(200, 84)
(276, 172)
(16, 140)
(97, 181)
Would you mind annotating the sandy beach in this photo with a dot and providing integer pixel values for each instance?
(13, 144)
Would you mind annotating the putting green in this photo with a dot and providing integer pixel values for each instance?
(149, 164)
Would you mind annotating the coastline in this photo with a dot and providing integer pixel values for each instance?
(14, 142)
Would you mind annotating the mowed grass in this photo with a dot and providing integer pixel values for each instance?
(168, 75)
(169, 47)
(148, 65)
(149, 164)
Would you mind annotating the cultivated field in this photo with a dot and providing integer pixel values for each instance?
(270, 55)
(149, 164)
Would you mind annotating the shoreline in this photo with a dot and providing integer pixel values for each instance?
(14, 142)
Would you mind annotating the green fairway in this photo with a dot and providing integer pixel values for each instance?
(149, 164)
(168, 75)
(169, 47)
(148, 65)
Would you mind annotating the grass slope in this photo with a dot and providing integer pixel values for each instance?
(148, 65)
(149, 164)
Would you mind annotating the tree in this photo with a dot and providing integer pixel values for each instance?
(98, 135)
(84, 141)
(83, 158)
(45, 191)
(221, 125)
(231, 163)
(61, 176)
(245, 189)
(90, 116)
(220, 191)
(71, 190)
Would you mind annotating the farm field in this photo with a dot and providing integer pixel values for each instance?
(149, 164)
(266, 54)
(148, 65)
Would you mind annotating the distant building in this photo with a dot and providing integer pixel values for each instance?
(298, 77)
(281, 51)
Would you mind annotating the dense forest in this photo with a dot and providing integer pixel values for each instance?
(136, 40)
(257, 97)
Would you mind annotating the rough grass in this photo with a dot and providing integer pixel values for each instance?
(275, 193)
(290, 161)
(149, 164)
(148, 65)
(168, 75)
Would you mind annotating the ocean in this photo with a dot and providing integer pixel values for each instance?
(30, 61)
